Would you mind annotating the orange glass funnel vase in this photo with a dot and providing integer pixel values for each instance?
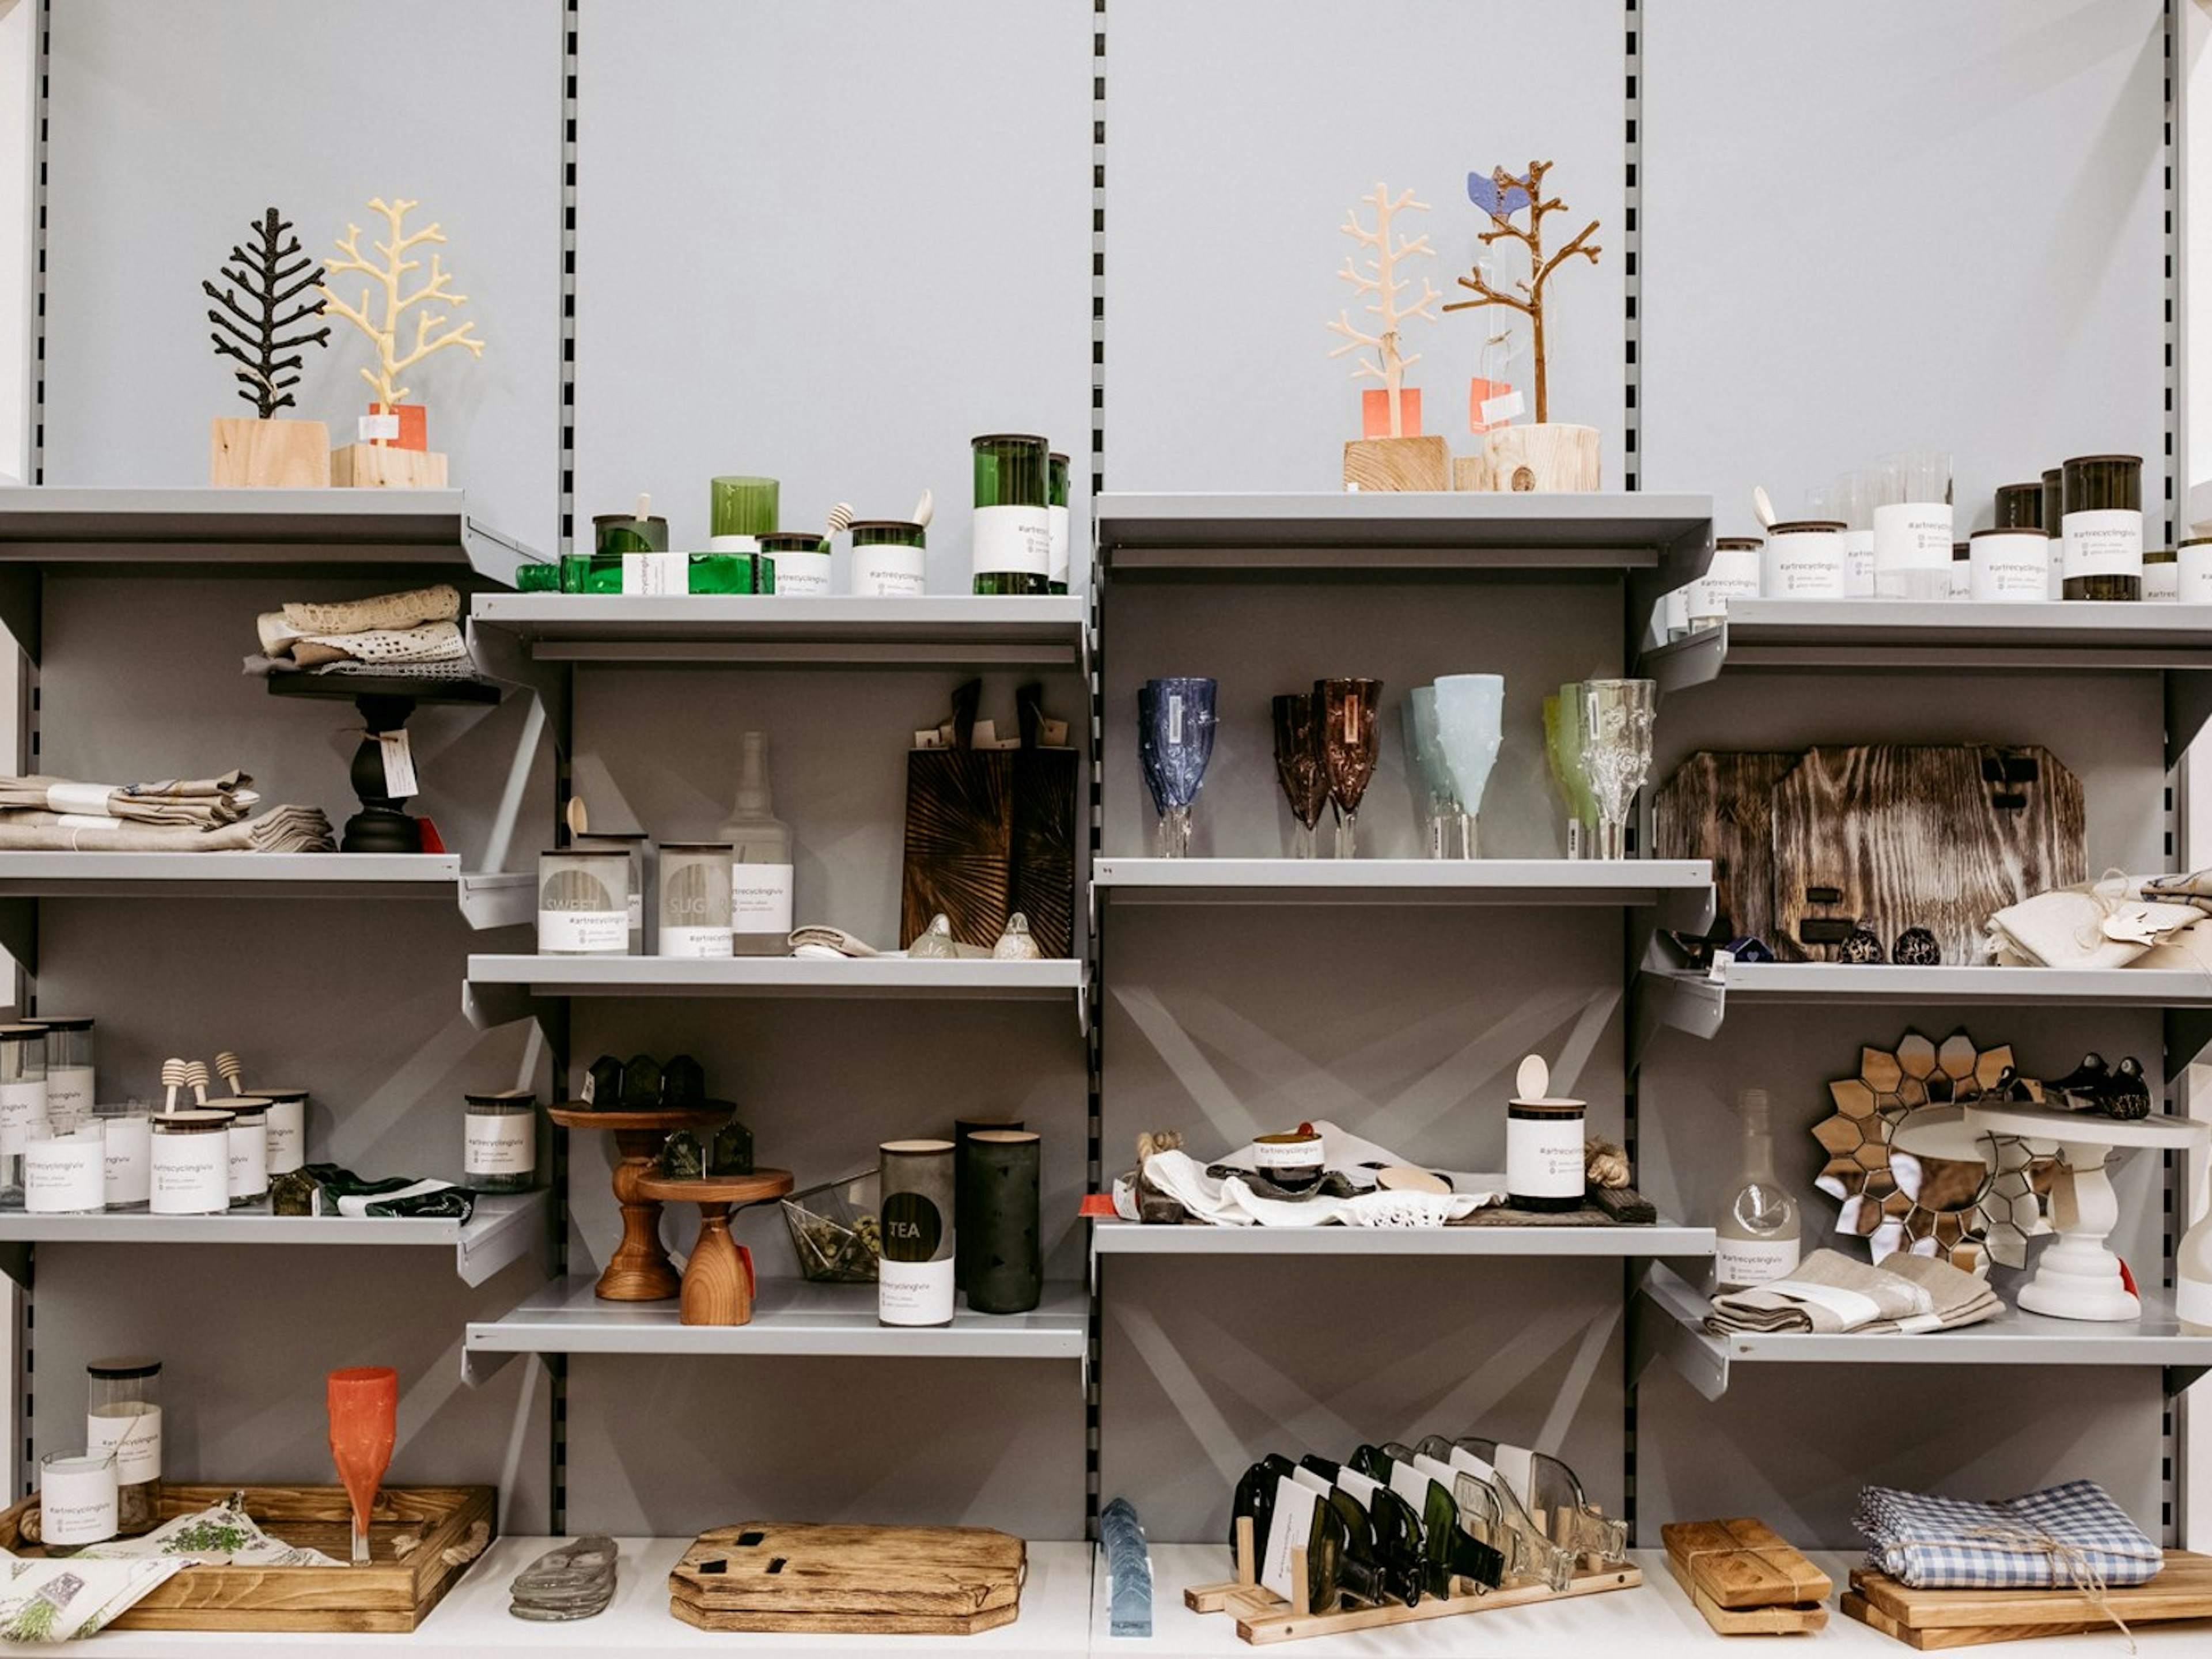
(364, 1404)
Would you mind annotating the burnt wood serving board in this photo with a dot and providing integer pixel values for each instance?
(863, 1581)
(1720, 806)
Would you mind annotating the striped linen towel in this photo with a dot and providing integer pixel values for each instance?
(2070, 1536)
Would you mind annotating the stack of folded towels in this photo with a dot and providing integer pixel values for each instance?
(2068, 1537)
(1830, 1291)
(178, 815)
(416, 634)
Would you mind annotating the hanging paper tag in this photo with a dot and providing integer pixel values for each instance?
(398, 764)
(1505, 407)
(372, 426)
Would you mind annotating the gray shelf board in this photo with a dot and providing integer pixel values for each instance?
(1683, 882)
(1057, 979)
(505, 1226)
(1663, 1239)
(1669, 1313)
(792, 629)
(790, 1316)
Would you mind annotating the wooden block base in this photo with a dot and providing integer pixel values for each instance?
(1470, 473)
(244, 453)
(1392, 463)
(1548, 459)
(379, 466)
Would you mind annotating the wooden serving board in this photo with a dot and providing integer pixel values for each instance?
(1855, 1606)
(2183, 1589)
(1743, 1563)
(1774, 1619)
(1720, 806)
(390, 1594)
(863, 1581)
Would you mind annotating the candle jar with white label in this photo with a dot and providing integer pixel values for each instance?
(801, 558)
(1544, 1160)
(65, 1173)
(1912, 526)
(69, 1085)
(23, 1104)
(287, 1127)
(2009, 565)
(2161, 576)
(642, 545)
(127, 1134)
(2192, 558)
(914, 1280)
(1733, 574)
(190, 1163)
(246, 1151)
(1803, 560)
(1011, 552)
(891, 559)
(2103, 526)
(583, 902)
(637, 846)
(696, 918)
(1056, 518)
(500, 1141)
(78, 1505)
(123, 1419)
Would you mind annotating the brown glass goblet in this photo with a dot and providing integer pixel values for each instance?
(1300, 767)
(1348, 708)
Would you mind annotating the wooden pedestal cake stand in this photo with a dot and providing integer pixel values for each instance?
(718, 1279)
(639, 1270)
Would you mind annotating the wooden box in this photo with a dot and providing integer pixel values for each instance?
(393, 1593)
(274, 455)
(381, 466)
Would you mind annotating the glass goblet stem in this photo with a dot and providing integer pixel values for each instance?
(1175, 833)
(1347, 835)
(1613, 838)
(1467, 827)
(1302, 842)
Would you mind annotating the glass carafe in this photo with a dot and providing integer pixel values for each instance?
(1552, 1494)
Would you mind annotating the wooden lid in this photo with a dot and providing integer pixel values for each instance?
(1005, 1137)
(915, 1148)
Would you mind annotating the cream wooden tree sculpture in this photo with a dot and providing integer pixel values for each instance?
(1397, 462)
(434, 330)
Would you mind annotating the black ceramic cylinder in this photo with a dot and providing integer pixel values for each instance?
(1005, 1273)
(964, 1130)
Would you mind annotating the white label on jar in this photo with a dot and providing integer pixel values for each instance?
(1858, 564)
(914, 1292)
(1805, 564)
(288, 1135)
(2009, 568)
(1738, 1262)
(883, 570)
(132, 1429)
(583, 933)
(68, 1089)
(656, 572)
(247, 1162)
(696, 941)
(2193, 574)
(1544, 1157)
(22, 1112)
(760, 897)
(1912, 536)
(1286, 1154)
(2161, 580)
(2107, 542)
(1733, 574)
(1056, 523)
(802, 572)
(2057, 585)
(733, 543)
(128, 1143)
(192, 1174)
(1012, 539)
(65, 1176)
(499, 1143)
(77, 1506)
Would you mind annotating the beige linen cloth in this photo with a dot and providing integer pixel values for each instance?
(202, 803)
(1829, 1291)
(2096, 925)
(280, 829)
(420, 626)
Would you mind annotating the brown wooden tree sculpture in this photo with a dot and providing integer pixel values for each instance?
(1502, 196)
(252, 329)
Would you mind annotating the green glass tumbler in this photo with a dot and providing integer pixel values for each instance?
(1011, 552)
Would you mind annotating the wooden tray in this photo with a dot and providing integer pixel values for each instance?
(2183, 1589)
(1855, 1606)
(863, 1581)
(389, 1595)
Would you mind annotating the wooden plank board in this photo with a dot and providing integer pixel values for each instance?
(392, 1594)
(1919, 836)
(1263, 1629)
(783, 1577)
(2183, 1589)
(1743, 1563)
(1932, 1641)
(1776, 1618)
(1720, 806)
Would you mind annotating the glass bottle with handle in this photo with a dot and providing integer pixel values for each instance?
(1551, 1493)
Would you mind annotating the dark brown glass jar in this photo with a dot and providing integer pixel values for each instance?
(2103, 526)
(2019, 507)
(2054, 508)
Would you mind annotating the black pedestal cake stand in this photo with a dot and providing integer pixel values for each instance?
(386, 701)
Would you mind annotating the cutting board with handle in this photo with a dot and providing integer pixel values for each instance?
(1720, 806)
(782, 1576)
(2181, 1589)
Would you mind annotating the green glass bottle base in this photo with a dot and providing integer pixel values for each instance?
(1010, 584)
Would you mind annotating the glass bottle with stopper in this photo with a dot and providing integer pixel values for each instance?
(760, 859)
(1756, 1236)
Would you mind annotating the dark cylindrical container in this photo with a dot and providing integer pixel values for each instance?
(2103, 526)
(1006, 1273)
(2054, 501)
(964, 1130)
(2019, 507)
(1012, 549)
(914, 1281)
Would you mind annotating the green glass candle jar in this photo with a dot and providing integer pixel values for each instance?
(2102, 495)
(1056, 514)
(625, 532)
(1005, 1273)
(1011, 552)
(890, 559)
(802, 560)
(731, 572)
(536, 578)
(741, 506)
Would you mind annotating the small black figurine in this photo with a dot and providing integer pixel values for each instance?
(1750, 950)
(682, 1082)
(2126, 1094)
(2077, 1090)
(1863, 946)
(1916, 947)
(603, 1086)
(641, 1088)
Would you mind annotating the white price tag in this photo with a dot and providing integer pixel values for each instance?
(373, 427)
(399, 782)
(1502, 408)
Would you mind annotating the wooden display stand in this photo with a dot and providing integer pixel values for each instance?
(718, 1277)
(245, 454)
(1398, 464)
(1553, 458)
(1263, 1617)
(639, 1270)
(386, 466)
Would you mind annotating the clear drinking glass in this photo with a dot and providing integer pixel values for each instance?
(1175, 741)
(1348, 708)
(364, 1407)
(1616, 752)
(1470, 727)
(1300, 766)
(1427, 777)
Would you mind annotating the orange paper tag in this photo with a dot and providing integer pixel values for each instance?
(1098, 1206)
(1375, 413)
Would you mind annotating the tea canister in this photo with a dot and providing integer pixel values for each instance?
(697, 902)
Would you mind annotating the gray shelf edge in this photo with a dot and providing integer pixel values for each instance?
(1664, 1238)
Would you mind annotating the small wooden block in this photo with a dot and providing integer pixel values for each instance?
(379, 466)
(251, 454)
(1742, 1563)
(1398, 464)
(1549, 459)
(1470, 473)
(1782, 1619)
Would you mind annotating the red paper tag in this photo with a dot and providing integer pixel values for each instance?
(1098, 1206)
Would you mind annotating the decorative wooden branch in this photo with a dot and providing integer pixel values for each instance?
(1502, 196)
(1390, 362)
(391, 273)
(250, 330)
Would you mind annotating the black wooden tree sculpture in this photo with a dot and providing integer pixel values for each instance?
(252, 328)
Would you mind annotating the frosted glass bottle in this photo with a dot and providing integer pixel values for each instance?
(1756, 1237)
(759, 860)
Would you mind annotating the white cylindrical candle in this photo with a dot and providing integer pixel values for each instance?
(247, 1161)
(191, 1164)
(2010, 566)
(64, 1174)
(127, 1140)
(287, 1128)
(1804, 560)
(2193, 566)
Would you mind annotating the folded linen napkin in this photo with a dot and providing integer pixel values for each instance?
(2067, 1536)
(441, 602)
(280, 829)
(2192, 888)
(1232, 1200)
(1829, 1291)
(221, 1534)
(203, 802)
(432, 642)
(66, 1599)
(2098, 926)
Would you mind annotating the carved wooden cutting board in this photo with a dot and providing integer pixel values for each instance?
(1933, 837)
(777, 1576)
(1720, 806)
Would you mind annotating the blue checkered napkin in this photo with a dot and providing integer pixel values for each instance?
(1928, 1542)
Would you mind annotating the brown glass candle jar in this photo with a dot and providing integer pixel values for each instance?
(2019, 507)
(2102, 495)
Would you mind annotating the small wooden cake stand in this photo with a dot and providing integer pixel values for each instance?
(718, 1281)
(639, 1270)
